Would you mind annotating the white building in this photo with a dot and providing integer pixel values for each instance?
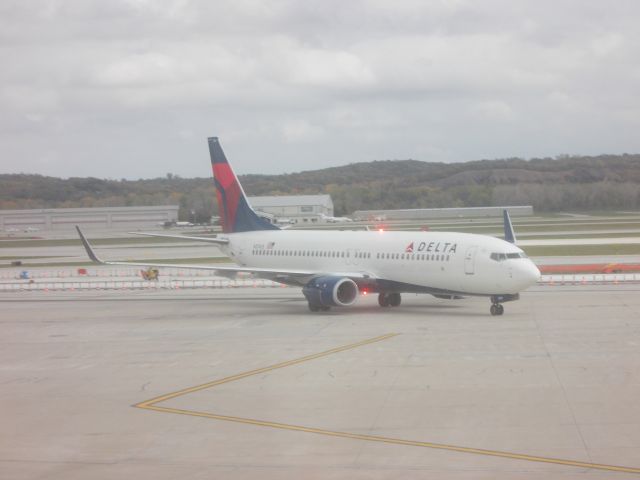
(99, 218)
(298, 208)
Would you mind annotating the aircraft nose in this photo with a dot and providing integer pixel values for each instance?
(528, 273)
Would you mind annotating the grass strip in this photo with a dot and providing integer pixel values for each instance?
(177, 261)
(578, 250)
(66, 242)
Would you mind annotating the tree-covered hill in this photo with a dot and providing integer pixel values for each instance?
(602, 182)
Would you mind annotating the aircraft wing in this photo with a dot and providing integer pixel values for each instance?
(219, 241)
(289, 277)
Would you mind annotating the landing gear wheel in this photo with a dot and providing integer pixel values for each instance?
(394, 299)
(383, 299)
(496, 309)
(318, 308)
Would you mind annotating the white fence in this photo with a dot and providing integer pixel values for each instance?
(100, 272)
(591, 278)
(44, 286)
(176, 284)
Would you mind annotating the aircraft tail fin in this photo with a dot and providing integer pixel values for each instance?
(235, 213)
(509, 234)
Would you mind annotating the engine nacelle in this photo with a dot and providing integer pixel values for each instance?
(331, 291)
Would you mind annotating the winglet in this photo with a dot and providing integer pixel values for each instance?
(509, 234)
(88, 247)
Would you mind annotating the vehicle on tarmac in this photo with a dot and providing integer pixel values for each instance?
(334, 267)
(150, 273)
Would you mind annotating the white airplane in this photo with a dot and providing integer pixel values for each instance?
(330, 219)
(334, 267)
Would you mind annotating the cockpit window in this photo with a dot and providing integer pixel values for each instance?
(499, 257)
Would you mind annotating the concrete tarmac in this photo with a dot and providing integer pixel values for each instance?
(244, 384)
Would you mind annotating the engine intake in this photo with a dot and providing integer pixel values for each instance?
(331, 291)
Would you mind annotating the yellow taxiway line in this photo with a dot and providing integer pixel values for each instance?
(152, 405)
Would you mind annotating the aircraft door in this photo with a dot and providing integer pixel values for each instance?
(470, 260)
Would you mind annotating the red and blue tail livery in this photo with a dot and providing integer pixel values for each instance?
(235, 213)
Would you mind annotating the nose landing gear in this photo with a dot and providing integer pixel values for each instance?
(389, 299)
(497, 300)
(496, 309)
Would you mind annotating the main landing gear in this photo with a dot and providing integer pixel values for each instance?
(496, 309)
(389, 299)
(318, 308)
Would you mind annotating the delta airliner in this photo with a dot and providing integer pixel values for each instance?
(334, 267)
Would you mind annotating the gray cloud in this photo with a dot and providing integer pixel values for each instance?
(133, 88)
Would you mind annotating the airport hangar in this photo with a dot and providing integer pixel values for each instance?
(298, 208)
(98, 218)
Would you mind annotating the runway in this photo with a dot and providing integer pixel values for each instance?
(245, 383)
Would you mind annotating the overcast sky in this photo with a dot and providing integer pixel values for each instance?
(132, 88)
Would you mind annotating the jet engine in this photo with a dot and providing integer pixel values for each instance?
(331, 292)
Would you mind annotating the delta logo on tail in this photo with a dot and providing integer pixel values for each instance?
(235, 213)
(228, 193)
